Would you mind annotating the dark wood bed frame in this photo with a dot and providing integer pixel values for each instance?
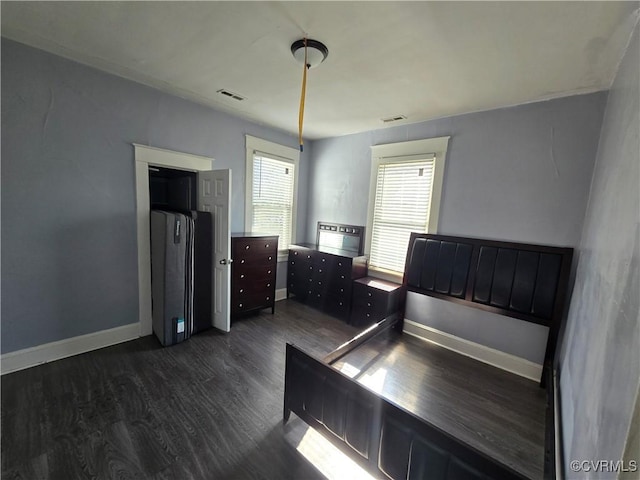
(524, 281)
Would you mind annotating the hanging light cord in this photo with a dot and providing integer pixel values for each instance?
(302, 95)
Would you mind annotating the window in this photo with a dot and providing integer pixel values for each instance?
(272, 173)
(406, 185)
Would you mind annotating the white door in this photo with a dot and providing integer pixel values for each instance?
(214, 195)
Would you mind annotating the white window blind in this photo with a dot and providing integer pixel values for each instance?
(402, 201)
(273, 187)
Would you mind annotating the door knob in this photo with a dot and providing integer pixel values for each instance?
(226, 261)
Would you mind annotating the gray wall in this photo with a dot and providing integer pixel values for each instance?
(520, 174)
(69, 261)
(600, 361)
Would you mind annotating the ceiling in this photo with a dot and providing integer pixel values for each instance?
(422, 60)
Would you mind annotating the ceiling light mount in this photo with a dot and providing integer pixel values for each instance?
(317, 52)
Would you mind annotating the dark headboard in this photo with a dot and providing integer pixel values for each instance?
(524, 281)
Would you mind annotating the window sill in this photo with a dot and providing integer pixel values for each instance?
(388, 275)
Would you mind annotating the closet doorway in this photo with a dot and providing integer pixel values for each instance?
(213, 194)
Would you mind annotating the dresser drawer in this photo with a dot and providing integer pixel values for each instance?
(361, 318)
(337, 307)
(299, 288)
(373, 300)
(254, 258)
(253, 286)
(316, 298)
(368, 297)
(321, 273)
(252, 273)
(323, 260)
(300, 277)
(340, 287)
(251, 301)
(251, 246)
(301, 266)
(343, 267)
(254, 251)
(301, 255)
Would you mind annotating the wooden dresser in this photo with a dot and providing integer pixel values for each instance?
(374, 299)
(253, 272)
(322, 277)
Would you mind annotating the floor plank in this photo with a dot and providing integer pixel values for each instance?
(207, 408)
(211, 407)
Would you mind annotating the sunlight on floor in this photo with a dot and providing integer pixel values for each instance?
(349, 370)
(375, 381)
(328, 459)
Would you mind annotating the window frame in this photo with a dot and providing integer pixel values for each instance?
(278, 152)
(403, 152)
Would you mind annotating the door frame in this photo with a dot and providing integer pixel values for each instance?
(145, 157)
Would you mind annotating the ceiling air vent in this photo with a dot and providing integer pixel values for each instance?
(395, 118)
(229, 94)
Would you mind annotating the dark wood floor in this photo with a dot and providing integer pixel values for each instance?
(498, 413)
(208, 408)
(211, 407)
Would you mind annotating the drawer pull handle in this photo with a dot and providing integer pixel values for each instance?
(342, 276)
(241, 290)
(340, 303)
(266, 246)
(270, 257)
(339, 264)
(268, 284)
(324, 259)
(319, 283)
(368, 315)
(318, 295)
(267, 298)
(308, 256)
(368, 304)
(240, 305)
(242, 261)
(269, 271)
(319, 270)
(341, 290)
(246, 247)
(242, 275)
(369, 293)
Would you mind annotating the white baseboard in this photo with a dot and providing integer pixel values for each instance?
(505, 361)
(48, 352)
(281, 294)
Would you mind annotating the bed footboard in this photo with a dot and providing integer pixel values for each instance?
(379, 435)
